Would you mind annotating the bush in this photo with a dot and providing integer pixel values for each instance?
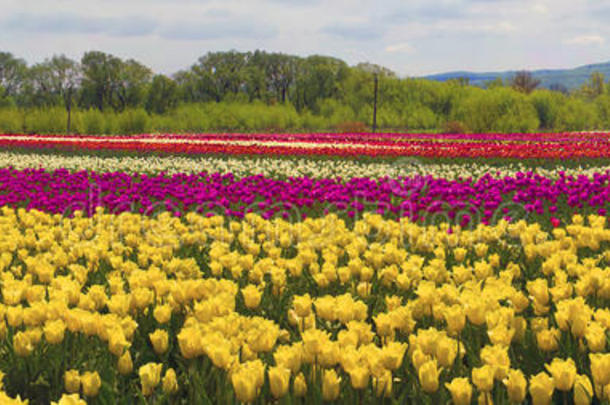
(577, 115)
(190, 118)
(547, 104)
(497, 110)
(134, 122)
(421, 117)
(91, 122)
(46, 121)
(11, 121)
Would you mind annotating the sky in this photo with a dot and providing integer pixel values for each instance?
(411, 37)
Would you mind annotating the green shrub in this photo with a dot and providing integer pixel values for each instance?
(90, 122)
(134, 122)
(497, 110)
(420, 117)
(577, 115)
(548, 105)
(46, 121)
(11, 121)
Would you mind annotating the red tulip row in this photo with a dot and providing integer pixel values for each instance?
(476, 146)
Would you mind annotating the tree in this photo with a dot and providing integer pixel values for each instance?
(318, 77)
(374, 68)
(163, 95)
(12, 71)
(100, 77)
(55, 81)
(66, 76)
(109, 81)
(594, 86)
(524, 82)
(495, 83)
(36, 89)
(129, 88)
(280, 73)
(220, 73)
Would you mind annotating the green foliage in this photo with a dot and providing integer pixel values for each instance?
(421, 117)
(11, 121)
(95, 122)
(162, 96)
(548, 105)
(46, 121)
(501, 109)
(603, 109)
(260, 91)
(577, 115)
(335, 113)
(133, 121)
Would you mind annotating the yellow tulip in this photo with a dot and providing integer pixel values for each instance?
(54, 331)
(125, 364)
(302, 305)
(22, 344)
(91, 383)
(541, 389)
(460, 390)
(483, 378)
(244, 386)
(117, 342)
(162, 313)
(497, 357)
(170, 382)
(600, 368)
(69, 399)
(428, 376)
(252, 296)
(160, 341)
(596, 337)
(548, 339)
(583, 390)
(516, 385)
(359, 377)
(300, 385)
(383, 384)
(563, 373)
(393, 354)
(72, 381)
(221, 356)
(150, 376)
(446, 351)
(279, 381)
(330, 385)
(455, 318)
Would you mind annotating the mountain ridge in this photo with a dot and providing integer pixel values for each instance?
(569, 78)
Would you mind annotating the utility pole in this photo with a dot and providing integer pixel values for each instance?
(376, 79)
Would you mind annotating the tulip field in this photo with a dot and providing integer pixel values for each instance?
(305, 269)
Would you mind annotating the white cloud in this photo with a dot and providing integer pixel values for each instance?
(412, 37)
(540, 8)
(586, 40)
(401, 47)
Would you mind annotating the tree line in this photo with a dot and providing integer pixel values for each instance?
(255, 91)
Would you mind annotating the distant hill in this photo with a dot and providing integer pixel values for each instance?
(570, 78)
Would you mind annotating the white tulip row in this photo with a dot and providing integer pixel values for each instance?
(276, 167)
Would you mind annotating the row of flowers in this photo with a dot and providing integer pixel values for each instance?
(463, 202)
(285, 145)
(284, 167)
(599, 137)
(360, 313)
